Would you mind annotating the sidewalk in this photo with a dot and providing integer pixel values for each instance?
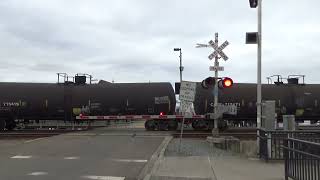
(197, 160)
(193, 167)
(235, 167)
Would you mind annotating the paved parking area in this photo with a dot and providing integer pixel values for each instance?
(78, 156)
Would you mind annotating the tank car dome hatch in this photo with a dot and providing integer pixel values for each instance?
(293, 81)
(80, 79)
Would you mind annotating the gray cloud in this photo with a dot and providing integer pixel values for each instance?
(133, 41)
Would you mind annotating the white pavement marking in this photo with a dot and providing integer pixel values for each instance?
(131, 160)
(32, 140)
(37, 173)
(81, 134)
(212, 169)
(21, 157)
(71, 158)
(137, 135)
(254, 159)
(104, 177)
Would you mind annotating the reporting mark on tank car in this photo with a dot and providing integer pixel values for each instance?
(161, 100)
(10, 104)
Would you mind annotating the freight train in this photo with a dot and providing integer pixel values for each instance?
(70, 99)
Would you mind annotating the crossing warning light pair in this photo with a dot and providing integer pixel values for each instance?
(225, 82)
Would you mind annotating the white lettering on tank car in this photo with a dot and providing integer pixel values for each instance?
(11, 104)
(161, 100)
(227, 104)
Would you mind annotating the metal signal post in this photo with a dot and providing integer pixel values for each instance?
(218, 51)
(216, 95)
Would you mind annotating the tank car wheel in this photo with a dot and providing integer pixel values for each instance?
(163, 125)
(2, 124)
(200, 125)
(194, 124)
(11, 125)
(172, 125)
(150, 125)
(222, 125)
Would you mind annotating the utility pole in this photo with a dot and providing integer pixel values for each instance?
(258, 38)
(180, 67)
(259, 101)
(180, 109)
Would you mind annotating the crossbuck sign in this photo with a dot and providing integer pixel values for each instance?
(218, 50)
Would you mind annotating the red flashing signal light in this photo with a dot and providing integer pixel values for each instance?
(227, 82)
(161, 113)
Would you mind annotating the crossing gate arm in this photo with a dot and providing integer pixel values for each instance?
(138, 117)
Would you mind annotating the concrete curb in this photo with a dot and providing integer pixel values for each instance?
(154, 161)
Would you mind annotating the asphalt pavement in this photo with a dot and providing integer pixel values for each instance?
(78, 156)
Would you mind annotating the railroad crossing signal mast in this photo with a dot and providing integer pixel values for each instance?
(216, 68)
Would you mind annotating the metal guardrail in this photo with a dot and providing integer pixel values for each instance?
(271, 142)
(302, 159)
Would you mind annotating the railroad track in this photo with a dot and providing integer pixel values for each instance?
(239, 135)
(242, 133)
(32, 133)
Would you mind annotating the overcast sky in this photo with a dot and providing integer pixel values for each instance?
(133, 40)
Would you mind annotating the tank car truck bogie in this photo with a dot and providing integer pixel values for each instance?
(150, 125)
(161, 124)
(2, 124)
(172, 125)
(10, 124)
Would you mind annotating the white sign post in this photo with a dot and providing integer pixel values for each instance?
(187, 109)
(187, 95)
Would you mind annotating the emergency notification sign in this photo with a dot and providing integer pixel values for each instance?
(187, 91)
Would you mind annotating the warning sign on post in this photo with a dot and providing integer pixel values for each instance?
(187, 91)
